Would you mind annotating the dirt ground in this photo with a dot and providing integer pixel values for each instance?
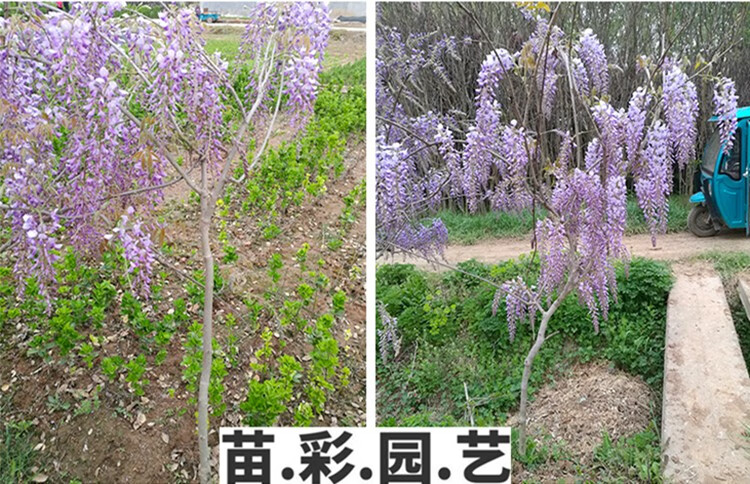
(346, 42)
(670, 247)
(152, 439)
(574, 411)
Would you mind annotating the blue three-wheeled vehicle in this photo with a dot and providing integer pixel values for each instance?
(722, 201)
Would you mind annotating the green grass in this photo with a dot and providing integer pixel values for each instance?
(679, 209)
(17, 455)
(466, 229)
(728, 264)
(632, 459)
(227, 44)
(354, 73)
(450, 337)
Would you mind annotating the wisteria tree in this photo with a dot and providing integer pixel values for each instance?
(101, 109)
(515, 156)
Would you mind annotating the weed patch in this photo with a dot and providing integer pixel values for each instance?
(449, 337)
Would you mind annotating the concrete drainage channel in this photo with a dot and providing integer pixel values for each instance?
(706, 402)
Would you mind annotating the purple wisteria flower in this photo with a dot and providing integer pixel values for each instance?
(512, 161)
(636, 121)
(96, 100)
(138, 249)
(580, 77)
(520, 304)
(592, 55)
(482, 137)
(553, 255)
(680, 102)
(400, 203)
(725, 108)
(544, 45)
(654, 185)
(612, 128)
(389, 340)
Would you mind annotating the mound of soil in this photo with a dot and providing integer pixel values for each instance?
(574, 412)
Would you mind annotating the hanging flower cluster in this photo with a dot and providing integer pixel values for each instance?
(400, 199)
(520, 304)
(388, 337)
(725, 105)
(680, 102)
(90, 99)
(138, 248)
(580, 77)
(654, 185)
(545, 48)
(299, 28)
(634, 125)
(511, 162)
(506, 165)
(594, 61)
(482, 138)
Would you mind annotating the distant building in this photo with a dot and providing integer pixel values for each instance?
(242, 9)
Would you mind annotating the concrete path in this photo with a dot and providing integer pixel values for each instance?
(668, 247)
(706, 402)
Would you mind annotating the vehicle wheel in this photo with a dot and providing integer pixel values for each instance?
(700, 223)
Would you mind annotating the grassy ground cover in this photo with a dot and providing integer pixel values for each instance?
(466, 229)
(449, 338)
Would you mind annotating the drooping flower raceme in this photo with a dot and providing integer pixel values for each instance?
(512, 161)
(725, 106)
(653, 186)
(399, 203)
(544, 46)
(592, 55)
(138, 248)
(91, 99)
(520, 304)
(680, 102)
(580, 77)
(482, 137)
(611, 124)
(388, 337)
(636, 121)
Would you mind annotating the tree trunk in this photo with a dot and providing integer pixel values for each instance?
(540, 337)
(208, 267)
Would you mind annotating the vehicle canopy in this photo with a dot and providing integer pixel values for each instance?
(711, 150)
(743, 112)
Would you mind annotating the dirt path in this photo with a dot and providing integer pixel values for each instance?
(670, 247)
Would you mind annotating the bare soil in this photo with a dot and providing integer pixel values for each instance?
(153, 439)
(670, 247)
